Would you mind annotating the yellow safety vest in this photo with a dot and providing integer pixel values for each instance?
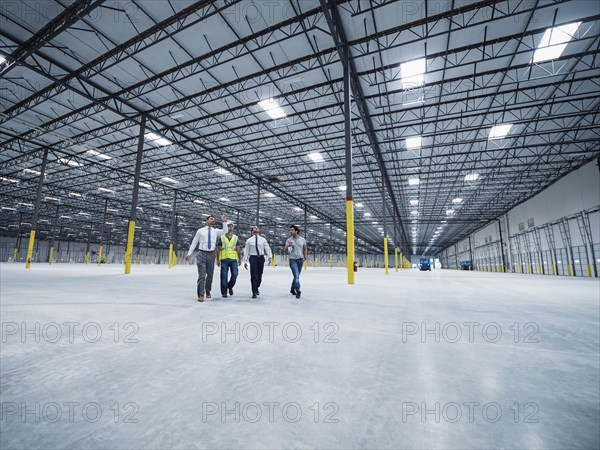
(228, 247)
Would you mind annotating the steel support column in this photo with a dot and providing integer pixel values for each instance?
(385, 236)
(136, 186)
(102, 232)
(52, 232)
(171, 244)
(36, 211)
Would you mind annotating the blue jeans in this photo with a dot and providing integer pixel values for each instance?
(226, 265)
(296, 266)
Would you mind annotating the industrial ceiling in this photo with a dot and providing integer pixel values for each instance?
(460, 111)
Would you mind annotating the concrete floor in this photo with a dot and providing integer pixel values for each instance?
(516, 363)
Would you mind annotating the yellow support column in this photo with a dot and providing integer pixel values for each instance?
(553, 269)
(569, 271)
(129, 248)
(50, 256)
(273, 260)
(529, 269)
(396, 257)
(402, 260)
(385, 255)
(170, 255)
(589, 269)
(15, 255)
(350, 240)
(86, 258)
(100, 256)
(30, 249)
(174, 258)
(305, 264)
(331, 261)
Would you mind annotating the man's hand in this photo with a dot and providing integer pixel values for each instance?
(269, 261)
(239, 262)
(218, 263)
(246, 266)
(187, 257)
(224, 217)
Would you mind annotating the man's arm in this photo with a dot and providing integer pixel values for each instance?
(193, 245)
(246, 253)
(268, 249)
(218, 250)
(305, 250)
(223, 229)
(238, 249)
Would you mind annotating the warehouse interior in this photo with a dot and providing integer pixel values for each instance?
(400, 136)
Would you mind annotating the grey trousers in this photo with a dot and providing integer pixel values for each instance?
(206, 268)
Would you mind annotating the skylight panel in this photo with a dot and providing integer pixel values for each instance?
(554, 41)
(272, 108)
(499, 131)
(316, 157)
(413, 142)
(413, 73)
(157, 139)
(69, 162)
(98, 155)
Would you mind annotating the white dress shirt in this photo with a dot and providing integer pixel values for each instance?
(200, 241)
(251, 250)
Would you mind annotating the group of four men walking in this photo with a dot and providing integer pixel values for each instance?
(222, 246)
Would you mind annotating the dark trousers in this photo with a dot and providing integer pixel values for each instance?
(206, 266)
(226, 266)
(257, 265)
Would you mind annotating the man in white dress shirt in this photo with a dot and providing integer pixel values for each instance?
(255, 251)
(205, 240)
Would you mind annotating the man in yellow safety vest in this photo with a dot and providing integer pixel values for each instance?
(228, 258)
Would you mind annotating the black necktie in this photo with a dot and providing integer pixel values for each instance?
(256, 240)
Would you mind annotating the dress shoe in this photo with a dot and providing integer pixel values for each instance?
(224, 296)
(293, 291)
(253, 295)
(200, 298)
(208, 294)
(230, 291)
(298, 294)
(257, 293)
